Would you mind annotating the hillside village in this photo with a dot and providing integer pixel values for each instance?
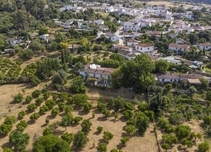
(105, 76)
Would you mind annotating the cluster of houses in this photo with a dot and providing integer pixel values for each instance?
(102, 76)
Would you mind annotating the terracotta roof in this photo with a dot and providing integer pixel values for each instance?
(204, 44)
(103, 71)
(123, 52)
(190, 76)
(169, 76)
(185, 46)
(144, 45)
(131, 55)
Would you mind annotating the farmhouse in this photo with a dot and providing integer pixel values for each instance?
(169, 77)
(178, 48)
(205, 46)
(102, 75)
(144, 47)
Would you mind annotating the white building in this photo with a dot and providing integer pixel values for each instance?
(114, 38)
(178, 48)
(169, 77)
(144, 48)
(205, 46)
(132, 25)
(102, 75)
(99, 22)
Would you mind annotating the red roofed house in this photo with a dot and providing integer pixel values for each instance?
(205, 46)
(102, 75)
(178, 48)
(144, 48)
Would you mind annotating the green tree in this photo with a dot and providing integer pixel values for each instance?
(67, 120)
(86, 126)
(161, 66)
(102, 147)
(50, 143)
(130, 129)
(124, 140)
(68, 137)
(142, 122)
(18, 98)
(21, 114)
(55, 112)
(21, 125)
(99, 129)
(7, 150)
(134, 76)
(193, 38)
(107, 135)
(9, 120)
(28, 99)
(34, 116)
(79, 140)
(5, 128)
(77, 85)
(19, 140)
(32, 107)
(47, 131)
(204, 147)
(182, 131)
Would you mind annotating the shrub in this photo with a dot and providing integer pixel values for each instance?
(21, 125)
(5, 128)
(50, 103)
(107, 135)
(68, 137)
(36, 93)
(28, 99)
(18, 98)
(9, 120)
(21, 114)
(47, 131)
(86, 126)
(46, 95)
(32, 107)
(124, 140)
(43, 109)
(99, 129)
(204, 147)
(34, 116)
(39, 100)
(102, 147)
(77, 119)
(55, 112)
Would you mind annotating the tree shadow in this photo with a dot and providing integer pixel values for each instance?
(31, 122)
(62, 114)
(96, 133)
(103, 118)
(44, 125)
(122, 119)
(50, 117)
(58, 132)
(102, 141)
(7, 145)
(124, 134)
(96, 111)
(180, 148)
(82, 113)
(120, 146)
(3, 136)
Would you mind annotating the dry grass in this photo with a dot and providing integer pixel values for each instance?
(136, 143)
